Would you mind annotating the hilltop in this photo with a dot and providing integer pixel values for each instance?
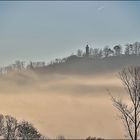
(90, 61)
(84, 65)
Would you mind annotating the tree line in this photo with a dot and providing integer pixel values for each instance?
(11, 128)
(130, 49)
(117, 50)
(19, 66)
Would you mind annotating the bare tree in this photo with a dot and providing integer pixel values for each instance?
(9, 131)
(1, 124)
(117, 50)
(79, 52)
(10, 128)
(27, 131)
(96, 52)
(127, 50)
(136, 46)
(19, 65)
(107, 51)
(130, 112)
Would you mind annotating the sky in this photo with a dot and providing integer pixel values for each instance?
(45, 30)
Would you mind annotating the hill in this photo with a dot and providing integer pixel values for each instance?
(86, 65)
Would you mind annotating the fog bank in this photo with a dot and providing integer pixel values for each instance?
(73, 106)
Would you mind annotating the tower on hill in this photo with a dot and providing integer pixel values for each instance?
(87, 50)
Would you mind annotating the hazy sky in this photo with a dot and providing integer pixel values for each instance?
(47, 30)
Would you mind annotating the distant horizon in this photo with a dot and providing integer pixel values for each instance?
(44, 30)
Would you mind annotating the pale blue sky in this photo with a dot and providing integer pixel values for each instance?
(33, 30)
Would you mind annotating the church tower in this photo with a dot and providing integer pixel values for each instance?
(87, 50)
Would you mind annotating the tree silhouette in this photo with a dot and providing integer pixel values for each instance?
(130, 112)
(79, 52)
(27, 131)
(9, 130)
(107, 51)
(127, 50)
(117, 50)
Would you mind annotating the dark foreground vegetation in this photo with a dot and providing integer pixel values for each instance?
(11, 128)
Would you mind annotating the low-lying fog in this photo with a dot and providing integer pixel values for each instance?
(72, 106)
